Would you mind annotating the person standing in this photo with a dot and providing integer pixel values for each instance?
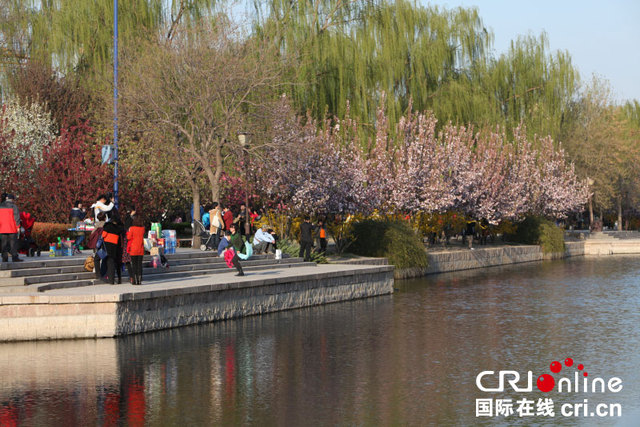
(227, 217)
(226, 251)
(98, 265)
(126, 256)
(77, 214)
(103, 204)
(216, 223)
(9, 228)
(241, 220)
(322, 237)
(112, 237)
(470, 232)
(306, 239)
(135, 247)
(128, 219)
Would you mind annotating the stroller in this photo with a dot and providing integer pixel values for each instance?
(208, 240)
(26, 244)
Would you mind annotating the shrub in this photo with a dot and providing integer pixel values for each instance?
(535, 230)
(394, 240)
(293, 250)
(46, 232)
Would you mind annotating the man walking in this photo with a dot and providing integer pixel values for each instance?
(9, 228)
(306, 239)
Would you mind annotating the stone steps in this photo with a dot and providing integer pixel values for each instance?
(45, 262)
(623, 235)
(57, 273)
(77, 267)
(150, 279)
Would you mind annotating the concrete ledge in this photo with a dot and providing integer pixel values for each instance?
(104, 311)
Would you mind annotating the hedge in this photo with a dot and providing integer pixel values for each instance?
(394, 240)
(47, 232)
(535, 230)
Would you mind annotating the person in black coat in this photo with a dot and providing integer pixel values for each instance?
(306, 239)
(112, 237)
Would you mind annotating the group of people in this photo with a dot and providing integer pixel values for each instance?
(306, 237)
(117, 242)
(230, 234)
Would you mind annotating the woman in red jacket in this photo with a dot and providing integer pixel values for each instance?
(135, 247)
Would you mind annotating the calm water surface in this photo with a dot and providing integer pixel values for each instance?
(407, 359)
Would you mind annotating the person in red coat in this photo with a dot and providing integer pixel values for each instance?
(135, 247)
(227, 217)
(9, 228)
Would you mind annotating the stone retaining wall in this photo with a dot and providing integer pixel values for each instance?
(611, 246)
(465, 259)
(45, 317)
(573, 249)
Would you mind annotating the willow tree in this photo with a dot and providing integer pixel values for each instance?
(532, 86)
(77, 35)
(345, 55)
(631, 109)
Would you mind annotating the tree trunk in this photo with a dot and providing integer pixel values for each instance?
(213, 174)
(590, 212)
(213, 182)
(195, 192)
(619, 213)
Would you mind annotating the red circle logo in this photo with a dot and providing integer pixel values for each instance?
(545, 383)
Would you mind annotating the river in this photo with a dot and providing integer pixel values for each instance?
(411, 358)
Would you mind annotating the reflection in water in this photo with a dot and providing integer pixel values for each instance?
(406, 359)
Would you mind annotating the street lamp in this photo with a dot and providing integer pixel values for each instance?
(115, 103)
(243, 139)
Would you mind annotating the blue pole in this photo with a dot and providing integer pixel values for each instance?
(115, 103)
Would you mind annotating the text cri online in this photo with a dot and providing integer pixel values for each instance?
(583, 409)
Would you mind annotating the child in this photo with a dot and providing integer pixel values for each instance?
(135, 247)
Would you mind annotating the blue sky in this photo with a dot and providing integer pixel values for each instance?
(603, 37)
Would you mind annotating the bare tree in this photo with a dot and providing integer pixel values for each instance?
(207, 86)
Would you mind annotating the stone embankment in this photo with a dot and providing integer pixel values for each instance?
(581, 244)
(33, 307)
(607, 243)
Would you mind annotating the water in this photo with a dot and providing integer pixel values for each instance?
(407, 359)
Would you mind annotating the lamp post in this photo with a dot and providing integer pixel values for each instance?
(243, 138)
(115, 103)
